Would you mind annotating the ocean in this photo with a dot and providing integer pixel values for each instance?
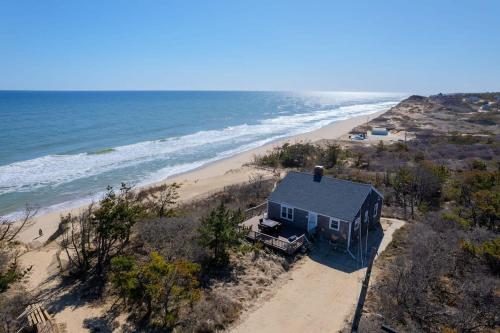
(62, 149)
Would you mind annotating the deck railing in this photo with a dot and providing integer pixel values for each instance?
(254, 211)
(288, 247)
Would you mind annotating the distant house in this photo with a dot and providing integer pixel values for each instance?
(380, 131)
(337, 210)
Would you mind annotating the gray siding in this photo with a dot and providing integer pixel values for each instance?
(376, 198)
(368, 205)
(330, 234)
(300, 219)
(273, 211)
(299, 216)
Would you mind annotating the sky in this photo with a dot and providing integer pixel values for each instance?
(406, 46)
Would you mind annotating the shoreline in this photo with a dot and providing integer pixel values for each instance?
(205, 179)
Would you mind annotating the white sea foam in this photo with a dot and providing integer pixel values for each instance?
(54, 170)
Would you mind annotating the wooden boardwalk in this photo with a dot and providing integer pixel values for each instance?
(37, 316)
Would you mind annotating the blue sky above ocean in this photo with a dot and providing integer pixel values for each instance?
(425, 46)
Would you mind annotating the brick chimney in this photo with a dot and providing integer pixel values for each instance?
(318, 173)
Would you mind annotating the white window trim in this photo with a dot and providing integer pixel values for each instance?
(366, 217)
(286, 215)
(375, 210)
(338, 223)
(357, 222)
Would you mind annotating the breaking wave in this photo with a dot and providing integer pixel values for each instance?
(54, 170)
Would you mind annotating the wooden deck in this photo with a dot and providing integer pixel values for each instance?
(279, 241)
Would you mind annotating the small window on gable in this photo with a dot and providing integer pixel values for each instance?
(366, 217)
(334, 224)
(375, 209)
(286, 212)
(356, 224)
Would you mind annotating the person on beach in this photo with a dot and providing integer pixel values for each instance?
(40, 232)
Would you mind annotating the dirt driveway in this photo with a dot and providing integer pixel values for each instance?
(320, 295)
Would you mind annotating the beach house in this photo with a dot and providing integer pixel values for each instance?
(336, 210)
(380, 131)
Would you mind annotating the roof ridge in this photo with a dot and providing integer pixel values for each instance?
(333, 178)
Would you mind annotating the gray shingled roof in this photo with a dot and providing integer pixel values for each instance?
(330, 196)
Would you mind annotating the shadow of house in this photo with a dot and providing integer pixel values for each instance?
(327, 254)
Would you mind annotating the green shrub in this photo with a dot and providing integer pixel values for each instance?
(330, 155)
(302, 155)
(447, 216)
(462, 139)
(219, 231)
(489, 251)
(487, 118)
(296, 155)
(157, 288)
(478, 165)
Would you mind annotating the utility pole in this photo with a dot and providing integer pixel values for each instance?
(362, 295)
(389, 329)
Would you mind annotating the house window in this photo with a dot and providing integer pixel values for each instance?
(334, 224)
(375, 210)
(356, 224)
(366, 216)
(286, 212)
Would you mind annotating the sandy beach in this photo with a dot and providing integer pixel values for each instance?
(206, 179)
(195, 184)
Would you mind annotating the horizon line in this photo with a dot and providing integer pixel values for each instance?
(200, 90)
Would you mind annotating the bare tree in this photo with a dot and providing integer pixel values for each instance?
(161, 199)
(12, 304)
(10, 271)
(76, 240)
(256, 182)
(13, 296)
(91, 239)
(9, 229)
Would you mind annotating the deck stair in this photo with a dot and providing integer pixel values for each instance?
(37, 317)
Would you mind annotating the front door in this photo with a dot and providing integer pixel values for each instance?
(312, 221)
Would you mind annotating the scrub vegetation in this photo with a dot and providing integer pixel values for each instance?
(441, 272)
(13, 294)
(169, 266)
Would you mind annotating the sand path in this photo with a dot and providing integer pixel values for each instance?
(317, 298)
